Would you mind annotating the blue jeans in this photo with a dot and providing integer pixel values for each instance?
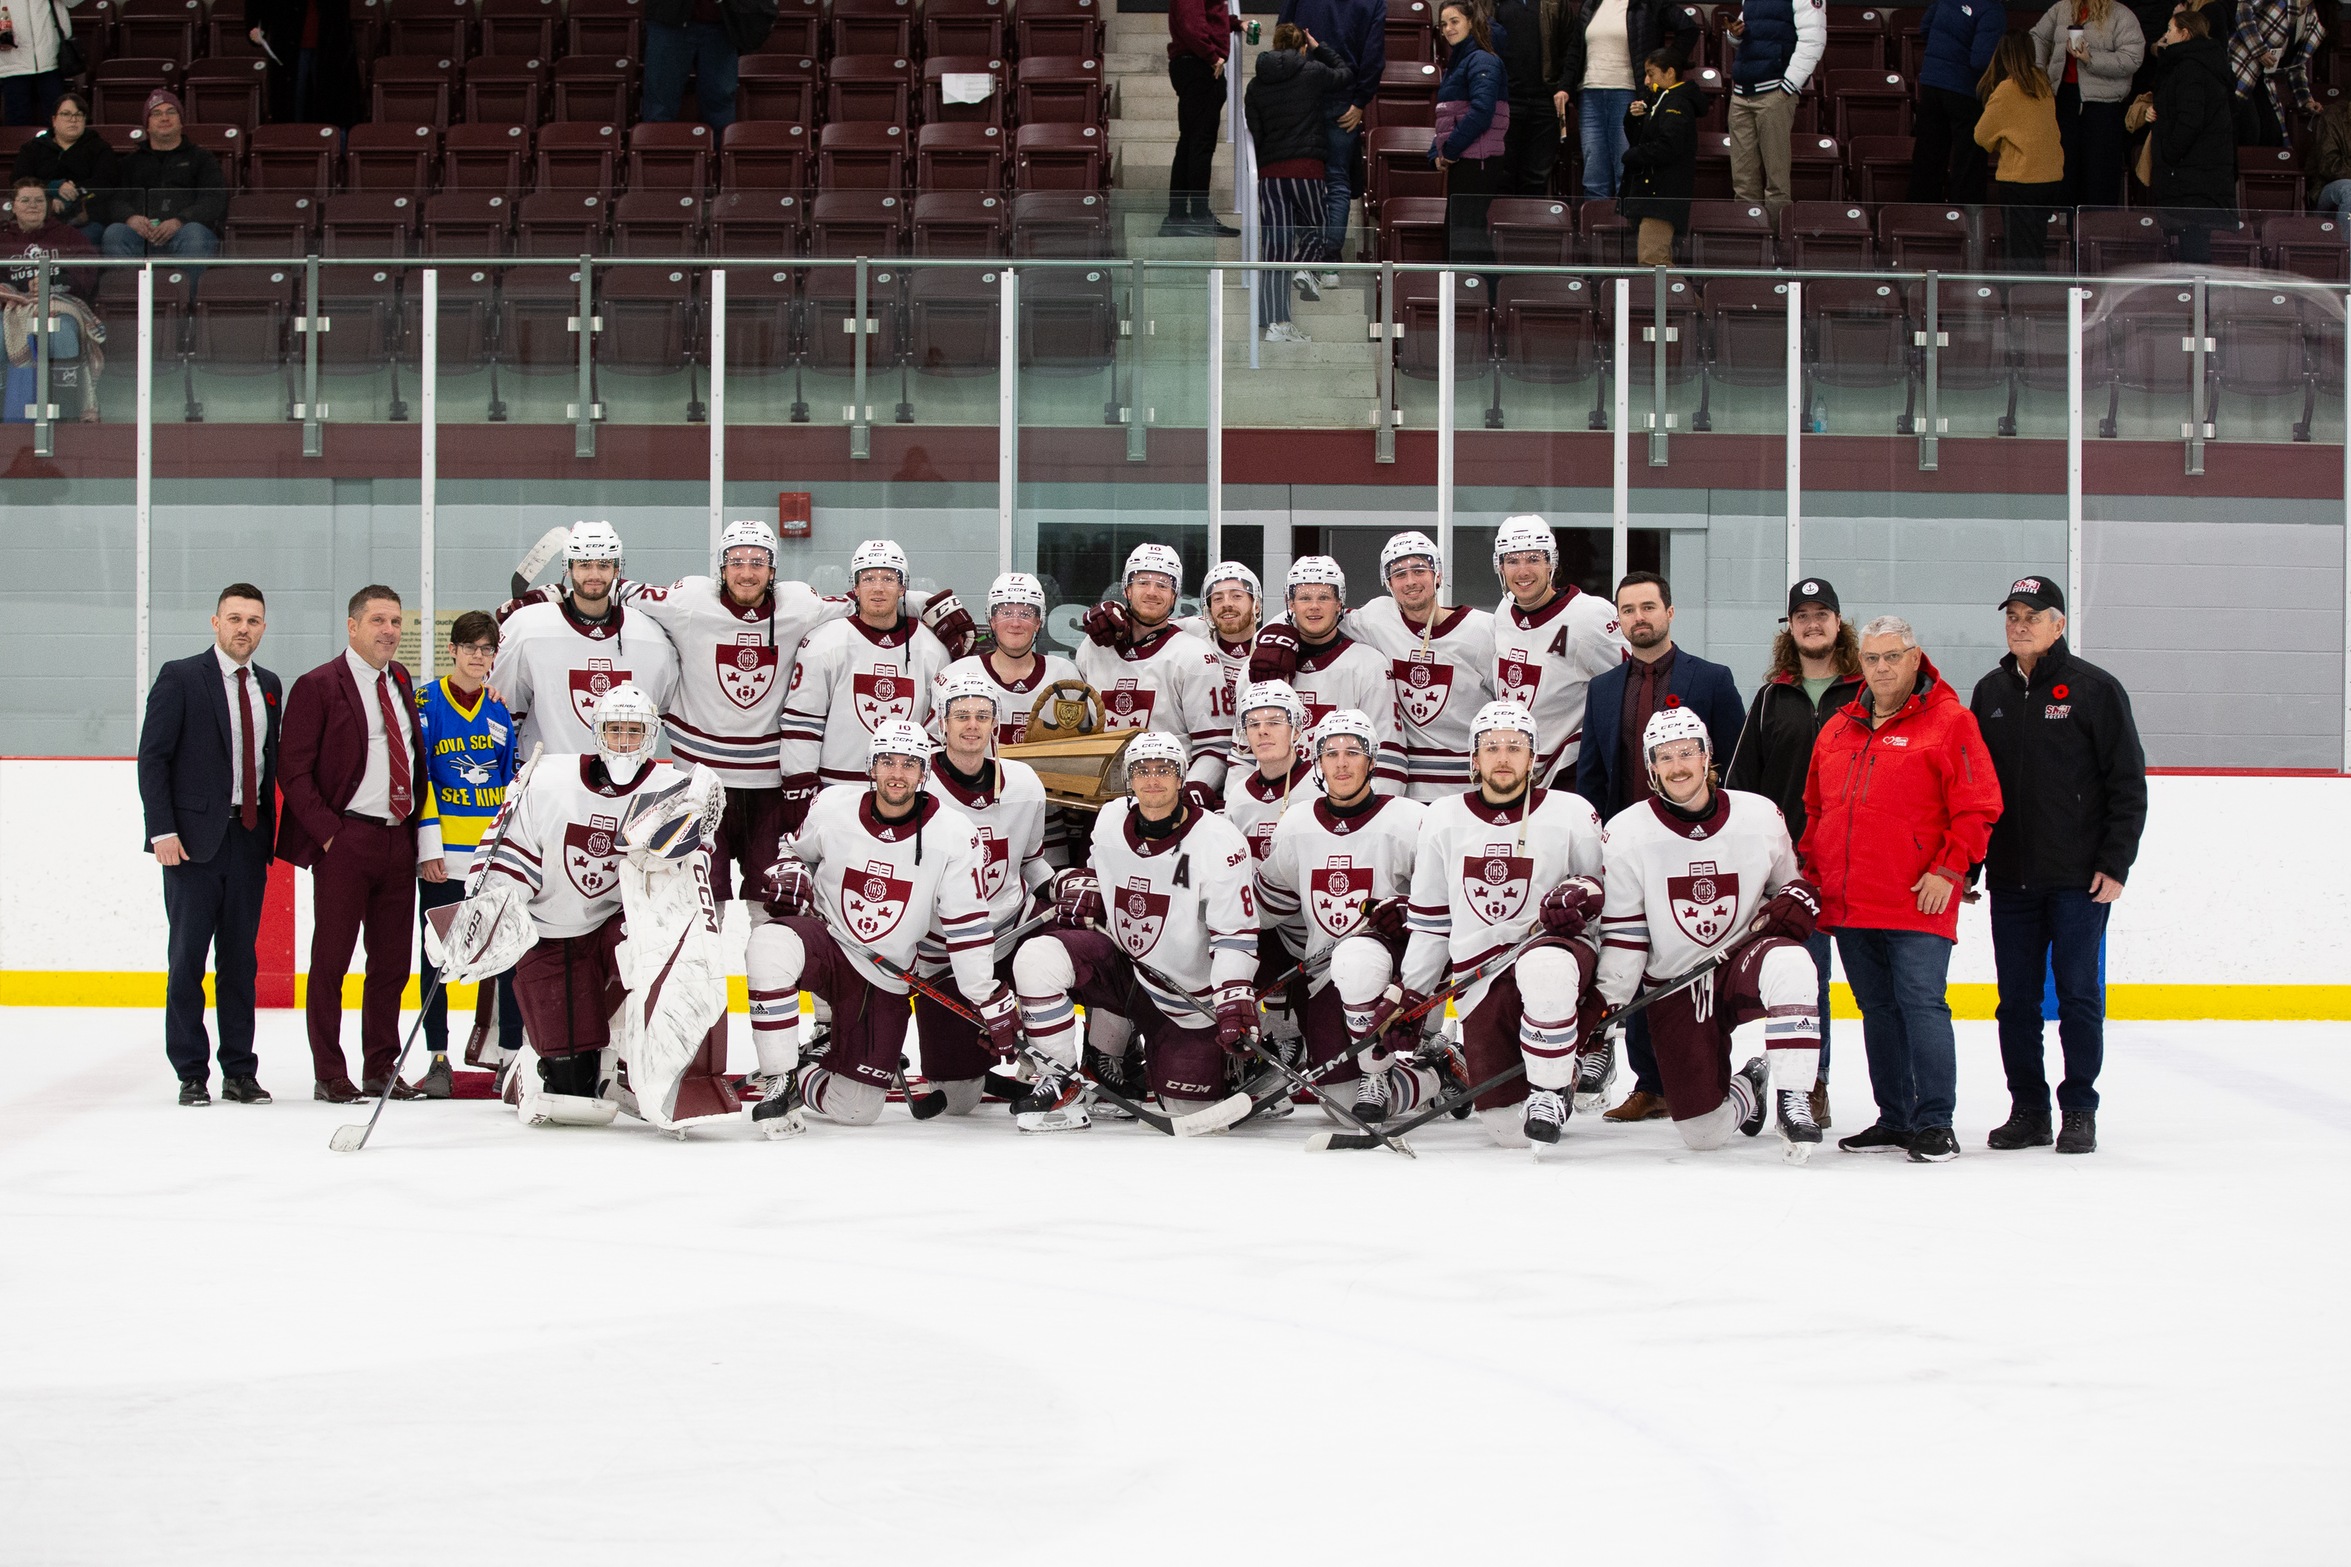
(1898, 977)
(2038, 934)
(1337, 192)
(192, 240)
(1600, 123)
(699, 50)
(2334, 200)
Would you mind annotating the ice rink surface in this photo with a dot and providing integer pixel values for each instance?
(946, 1343)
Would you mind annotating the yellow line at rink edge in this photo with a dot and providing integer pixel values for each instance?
(2141, 1003)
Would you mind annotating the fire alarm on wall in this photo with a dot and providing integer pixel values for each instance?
(792, 519)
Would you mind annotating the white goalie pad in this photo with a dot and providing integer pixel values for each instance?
(491, 931)
(675, 970)
(675, 821)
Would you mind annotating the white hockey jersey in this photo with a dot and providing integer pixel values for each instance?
(1441, 675)
(1678, 891)
(733, 667)
(1014, 698)
(1186, 904)
(1546, 660)
(1323, 867)
(552, 667)
(562, 842)
(1169, 681)
(1231, 657)
(1480, 875)
(1008, 832)
(884, 886)
(1347, 673)
(848, 678)
(1254, 804)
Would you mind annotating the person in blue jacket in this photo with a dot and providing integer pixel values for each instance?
(1946, 164)
(1613, 775)
(1473, 119)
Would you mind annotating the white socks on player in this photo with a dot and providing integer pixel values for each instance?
(1548, 980)
(1042, 976)
(772, 960)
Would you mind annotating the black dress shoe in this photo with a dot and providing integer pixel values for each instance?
(375, 1086)
(193, 1092)
(337, 1091)
(244, 1091)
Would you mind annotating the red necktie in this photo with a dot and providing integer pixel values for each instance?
(396, 748)
(250, 812)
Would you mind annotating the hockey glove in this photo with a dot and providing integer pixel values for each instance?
(1275, 657)
(799, 794)
(790, 888)
(1236, 1016)
(1792, 913)
(538, 595)
(1106, 624)
(1569, 907)
(1202, 798)
(1001, 1013)
(1385, 920)
(1394, 1001)
(951, 623)
(1077, 900)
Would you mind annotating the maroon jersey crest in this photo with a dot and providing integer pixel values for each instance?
(873, 900)
(1337, 892)
(1261, 839)
(1127, 705)
(1137, 916)
(1496, 883)
(995, 860)
(1423, 686)
(746, 672)
(1704, 902)
(1519, 679)
(588, 857)
(589, 685)
(884, 691)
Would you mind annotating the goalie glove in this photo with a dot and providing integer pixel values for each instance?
(1001, 1013)
(790, 888)
(951, 623)
(1275, 656)
(1791, 913)
(1569, 907)
(1106, 624)
(1077, 900)
(674, 822)
(491, 932)
(1236, 1016)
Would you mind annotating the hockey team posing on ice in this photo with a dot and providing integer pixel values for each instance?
(1350, 867)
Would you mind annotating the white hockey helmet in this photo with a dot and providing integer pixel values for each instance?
(626, 703)
(1311, 570)
(1669, 724)
(1154, 557)
(878, 555)
(1274, 693)
(1502, 715)
(591, 540)
(1154, 746)
(956, 687)
(1343, 723)
(897, 737)
(1017, 588)
(1410, 546)
(1528, 532)
(748, 534)
(1225, 571)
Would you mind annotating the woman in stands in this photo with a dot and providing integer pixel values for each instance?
(71, 160)
(2089, 50)
(1290, 127)
(1473, 119)
(2195, 163)
(1601, 44)
(2019, 129)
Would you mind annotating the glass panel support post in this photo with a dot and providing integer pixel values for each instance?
(585, 326)
(428, 463)
(860, 328)
(1384, 333)
(1930, 455)
(1135, 329)
(1620, 439)
(1007, 412)
(43, 411)
(2073, 463)
(1796, 420)
(2198, 432)
(1659, 335)
(143, 489)
(2347, 551)
(308, 410)
(1447, 281)
(718, 412)
(1215, 414)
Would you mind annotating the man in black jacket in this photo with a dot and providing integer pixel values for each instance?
(1531, 146)
(704, 40)
(173, 197)
(2194, 120)
(1661, 156)
(208, 765)
(2071, 770)
(1815, 670)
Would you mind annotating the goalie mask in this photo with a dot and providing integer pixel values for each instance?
(878, 555)
(897, 737)
(1520, 534)
(626, 703)
(1406, 547)
(1668, 725)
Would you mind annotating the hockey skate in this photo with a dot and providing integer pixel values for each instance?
(1799, 1132)
(1757, 1072)
(778, 1113)
(1546, 1113)
(1056, 1102)
(1595, 1070)
(1371, 1098)
(1112, 1073)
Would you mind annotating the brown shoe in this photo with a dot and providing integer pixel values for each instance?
(1820, 1104)
(337, 1091)
(374, 1086)
(1639, 1105)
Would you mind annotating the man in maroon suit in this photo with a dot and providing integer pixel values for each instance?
(360, 815)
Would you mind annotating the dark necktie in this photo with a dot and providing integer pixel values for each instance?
(395, 749)
(247, 780)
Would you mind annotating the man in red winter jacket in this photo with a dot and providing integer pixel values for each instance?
(1898, 806)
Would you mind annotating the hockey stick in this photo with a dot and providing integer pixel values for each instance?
(931, 1104)
(1374, 1136)
(350, 1139)
(1228, 1111)
(1323, 1141)
(535, 559)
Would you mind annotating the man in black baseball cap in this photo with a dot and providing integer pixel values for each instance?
(1815, 670)
(2073, 780)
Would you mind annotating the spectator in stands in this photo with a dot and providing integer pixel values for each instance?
(1601, 46)
(1522, 31)
(2195, 160)
(1473, 126)
(2100, 46)
(1661, 160)
(2019, 127)
(172, 198)
(30, 82)
(2330, 161)
(1199, 35)
(1358, 31)
(703, 39)
(73, 162)
(1780, 43)
(33, 233)
(1960, 35)
(1286, 103)
(313, 64)
(2270, 52)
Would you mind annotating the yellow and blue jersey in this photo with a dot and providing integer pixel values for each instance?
(469, 752)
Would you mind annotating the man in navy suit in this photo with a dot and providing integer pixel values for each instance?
(1611, 771)
(208, 763)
